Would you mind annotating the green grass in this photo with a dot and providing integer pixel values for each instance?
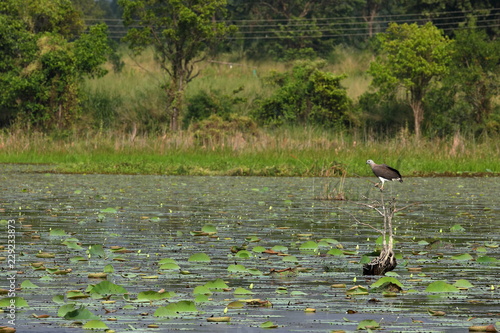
(287, 152)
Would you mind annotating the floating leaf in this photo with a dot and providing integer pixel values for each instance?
(45, 255)
(463, 284)
(170, 266)
(96, 250)
(19, 302)
(423, 243)
(202, 290)
(441, 287)
(464, 256)
(210, 229)
(76, 294)
(219, 319)
(72, 244)
(174, 309)
(279, 248)
(69, 312)
(57, 232)
(357, 290)
(268, 324)
(236, 305)
(457, 228)
(58, 299)
(258, 249)
(486, 259)
(27, 284)
(386, 283)
(336, 252)
(243, 254)
(152, 295)
(109, 269)
(309, 245)
(95, 325)
(368, 325)
(290, 259)
(105, 288)
(243, 291)
(199, 257)
(216, 284)
(237, 269)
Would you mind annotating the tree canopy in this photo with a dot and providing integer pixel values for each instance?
(180, 32)
(412, 58)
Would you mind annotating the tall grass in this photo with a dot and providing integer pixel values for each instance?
(284, 152)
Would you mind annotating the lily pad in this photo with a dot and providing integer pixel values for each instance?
(199, 257)
(175, 309)
(441, 287)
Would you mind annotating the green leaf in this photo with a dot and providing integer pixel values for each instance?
(237, 269)
(441, 287)
(457, 228)
(95, 325)
(96, 250)
(209, 229)
(58, 299)
(202, 290)
(71, 313)
(243, 254)
(384, 281)
(216, 284)
(27, 284)
(152, 295)
(167, 261)
(199, 257)
(336, 252)
(107, 288)
(268, 324)
(464, 256)
(290, 259)
(309, 245)
(463, 284)
(279, 248)
(368, 324)
(486, 260)
(72, 244)
(57, 232)
(243, 291)
(170, 266)
(174, 309)
(108, 269)
(19, 302)
(258, 249)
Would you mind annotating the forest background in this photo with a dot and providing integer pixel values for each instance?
(251, 87)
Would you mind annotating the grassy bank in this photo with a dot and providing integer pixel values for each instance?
(287, 152)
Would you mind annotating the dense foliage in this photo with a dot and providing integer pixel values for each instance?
(305, 95)
(46, 52)
(435, 64)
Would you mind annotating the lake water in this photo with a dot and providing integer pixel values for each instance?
(140, 220)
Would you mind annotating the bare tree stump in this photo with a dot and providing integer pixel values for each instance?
(384, 263)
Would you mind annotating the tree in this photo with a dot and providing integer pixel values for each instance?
(179, 31)
(412, 58)
(306, 95)
(44, 58)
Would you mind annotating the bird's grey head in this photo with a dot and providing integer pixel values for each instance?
(370, 162)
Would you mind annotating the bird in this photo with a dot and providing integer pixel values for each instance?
(384, 173)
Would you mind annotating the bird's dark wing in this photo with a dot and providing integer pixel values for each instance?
(394, 170)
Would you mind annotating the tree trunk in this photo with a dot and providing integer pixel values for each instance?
(418, 116)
